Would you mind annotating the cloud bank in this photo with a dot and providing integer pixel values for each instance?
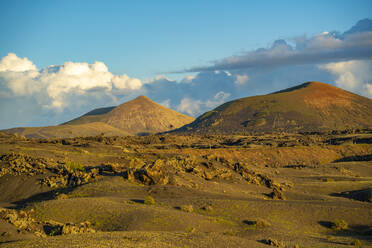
(353, 75)
(53, 85)
(354, 44)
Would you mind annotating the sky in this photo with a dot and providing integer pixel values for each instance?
(61, 59)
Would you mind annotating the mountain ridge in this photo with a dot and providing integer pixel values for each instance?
(312, 106)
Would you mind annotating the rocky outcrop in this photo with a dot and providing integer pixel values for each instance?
(20, 164)
(53, 228)
(277, 194)
(67, 177)
(24, 222)
(162, 172)
(154, 173)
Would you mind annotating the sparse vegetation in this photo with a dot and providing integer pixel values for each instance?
(224, 181)
(62, 196)
(356, 242)
(257, 224)
(190, 229)
(208, 208)
(301, 108)
(54, 230)
(187, 208)
(273, 242)
(75, 166)
(339, 225)
(229, 232)
(330, 238)
(149, 200)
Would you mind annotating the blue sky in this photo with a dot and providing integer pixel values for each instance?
(145, 38)
(60, 59)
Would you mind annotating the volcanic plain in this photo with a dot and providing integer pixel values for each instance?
(283, 190)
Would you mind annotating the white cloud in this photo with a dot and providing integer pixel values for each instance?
(124, 82)
(368, 88)
(165, 103)
(323, 41)
(20, 83)
(241, 79)
(159, 78)
(195, 107)
(218, 99)
(321, 48)
(354, 75)
(188, 79)
(189, 106)
(53, 85)
(13, 63)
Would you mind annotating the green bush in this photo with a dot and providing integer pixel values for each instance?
(356, 242)
(257, 224)
(187, 208)
(149, 200)
(208, 208)
(62, 196)
(75, 166)
(340, 225)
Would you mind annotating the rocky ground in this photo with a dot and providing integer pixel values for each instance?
(279, 190)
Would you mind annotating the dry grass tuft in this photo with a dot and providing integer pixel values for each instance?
(149, 200)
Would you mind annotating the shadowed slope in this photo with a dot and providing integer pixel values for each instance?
(312, 106)
(91, 116)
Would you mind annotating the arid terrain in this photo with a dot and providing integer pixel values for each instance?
(186, 124)
(278, 190)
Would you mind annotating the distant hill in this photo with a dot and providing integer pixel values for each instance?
(312, 106)
(68, 131)
(142, 115)
(138, 116)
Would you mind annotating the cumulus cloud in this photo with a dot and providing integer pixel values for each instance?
(241, 79)
(354, 75)
(53, 85)
(188, 79)
(196, 107)
(125, 82)
(159, 78)
(218, 99)
(189, 106)
(368, 88)
(18, 74)
(12, 63)
(321, 48)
